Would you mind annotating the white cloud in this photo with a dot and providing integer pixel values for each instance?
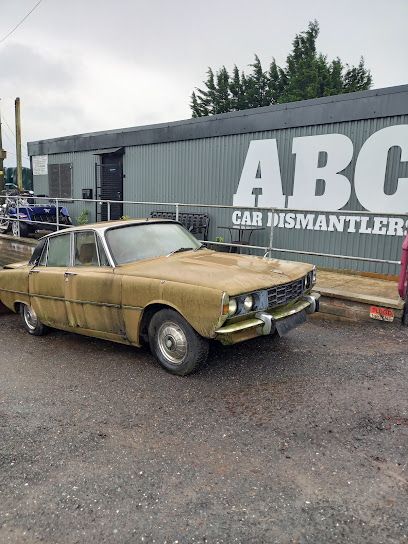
(86, 66)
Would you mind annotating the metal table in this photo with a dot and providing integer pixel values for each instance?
(244, 233)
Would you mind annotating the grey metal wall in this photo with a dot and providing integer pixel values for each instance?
(208, 170)
(83, 176)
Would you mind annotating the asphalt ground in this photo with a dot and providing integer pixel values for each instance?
(302, 440)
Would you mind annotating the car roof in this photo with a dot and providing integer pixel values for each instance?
(102, 226)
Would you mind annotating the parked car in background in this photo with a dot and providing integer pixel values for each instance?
(33, 217)
(151, 281)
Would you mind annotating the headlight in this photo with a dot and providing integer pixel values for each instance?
(308, 281)
(314, 275)
(232, 307)
(248, 303)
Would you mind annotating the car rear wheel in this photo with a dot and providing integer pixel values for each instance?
(175, 344)
(31, 322)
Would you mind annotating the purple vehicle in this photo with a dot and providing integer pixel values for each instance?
(33, 217)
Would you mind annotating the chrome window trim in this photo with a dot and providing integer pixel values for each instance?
(101, 234)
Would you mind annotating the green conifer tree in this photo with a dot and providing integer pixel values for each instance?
(307, 74)
(357, 78)
(222, 93)
(236, 90)
(257, 86)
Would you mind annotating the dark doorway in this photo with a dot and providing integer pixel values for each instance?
(109, 185)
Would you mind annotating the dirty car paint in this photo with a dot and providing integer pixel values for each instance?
(109, 302)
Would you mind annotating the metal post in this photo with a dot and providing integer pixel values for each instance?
(271, 233)
(177, 212)
(18, 216)
(109, 210)
(3, 155)
(57, 213)
(18, 146)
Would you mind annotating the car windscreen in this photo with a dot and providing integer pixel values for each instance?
(148, 240)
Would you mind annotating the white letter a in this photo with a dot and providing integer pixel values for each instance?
(264, 189)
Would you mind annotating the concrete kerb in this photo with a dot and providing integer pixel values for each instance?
(28, 241)
(350, 297)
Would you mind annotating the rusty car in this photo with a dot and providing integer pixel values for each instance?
(152, 282)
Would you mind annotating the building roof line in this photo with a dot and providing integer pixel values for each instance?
(374, 103)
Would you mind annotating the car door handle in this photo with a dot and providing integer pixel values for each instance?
(34, 272)
(66, 274)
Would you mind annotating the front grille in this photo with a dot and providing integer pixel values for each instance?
(43, 218)
(282, 294)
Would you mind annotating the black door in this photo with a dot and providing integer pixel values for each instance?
(110, 185)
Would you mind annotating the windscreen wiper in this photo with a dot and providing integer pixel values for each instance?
(179, 250)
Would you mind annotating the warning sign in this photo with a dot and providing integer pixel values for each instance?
(382, 314)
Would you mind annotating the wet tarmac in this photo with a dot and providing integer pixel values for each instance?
(303, 440)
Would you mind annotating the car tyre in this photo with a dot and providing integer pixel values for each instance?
(175, 344)
(31, 322)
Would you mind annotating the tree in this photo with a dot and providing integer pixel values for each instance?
(257, 86)
(357, 78)
(307, 74)
(276, 83)
(236, 89)
(222, 94)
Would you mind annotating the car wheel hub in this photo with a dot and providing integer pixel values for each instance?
(172, 342)
(30, 317)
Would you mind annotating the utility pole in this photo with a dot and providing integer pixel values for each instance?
(18, 146)
(3, 155)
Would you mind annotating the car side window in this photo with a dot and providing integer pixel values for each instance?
(85, 250)
(59, 250)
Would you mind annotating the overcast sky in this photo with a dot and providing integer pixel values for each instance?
(87, 65)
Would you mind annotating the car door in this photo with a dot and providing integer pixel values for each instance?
(46, 281)
(92, 290)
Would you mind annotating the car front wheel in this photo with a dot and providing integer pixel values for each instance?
(175, 344)
(31, 322)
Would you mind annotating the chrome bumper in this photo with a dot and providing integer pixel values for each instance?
(263, 323)
(308, 303)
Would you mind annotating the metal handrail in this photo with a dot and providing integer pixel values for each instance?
(223, 206)
(268, 249)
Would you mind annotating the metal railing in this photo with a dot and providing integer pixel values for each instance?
(268, 250)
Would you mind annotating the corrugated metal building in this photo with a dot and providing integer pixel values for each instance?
(332, 154)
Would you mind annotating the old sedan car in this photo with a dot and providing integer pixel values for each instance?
(151, 281)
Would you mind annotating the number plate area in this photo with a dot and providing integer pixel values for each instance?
(283, 326)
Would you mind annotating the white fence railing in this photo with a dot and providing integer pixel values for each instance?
(23, 202)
